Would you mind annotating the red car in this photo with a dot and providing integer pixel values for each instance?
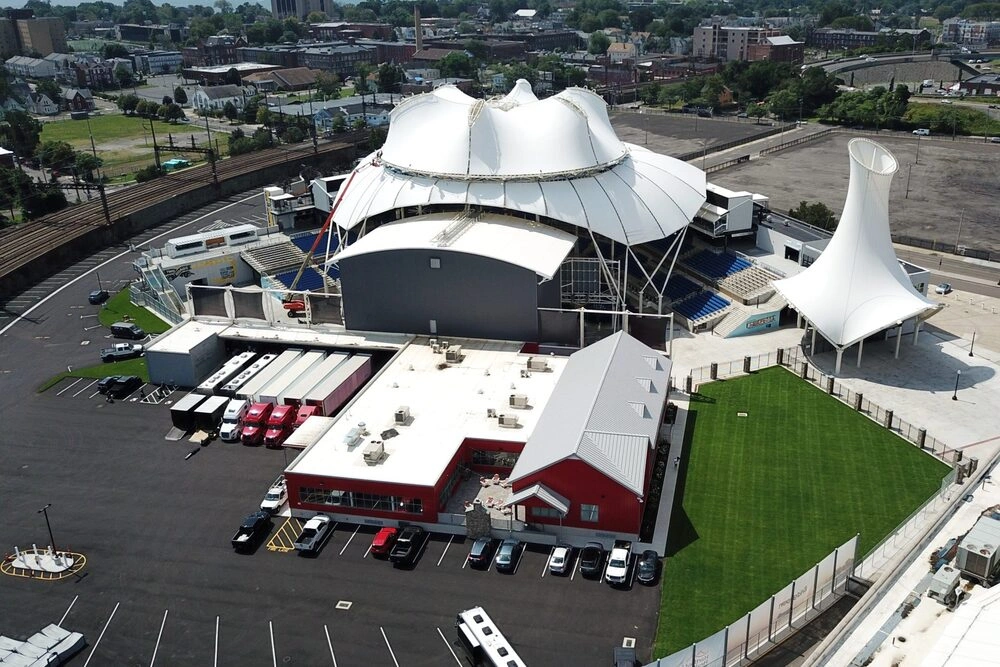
(383, 541)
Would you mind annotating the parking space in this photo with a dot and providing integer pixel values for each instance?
(86, 389)
(283, 539)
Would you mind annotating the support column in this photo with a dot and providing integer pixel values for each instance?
(840, 354)
(581, 328)
(812, 346)
(861, 347)
(798, 320)
(916, 330)
(899, 338)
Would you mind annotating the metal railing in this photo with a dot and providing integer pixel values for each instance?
(795, 142)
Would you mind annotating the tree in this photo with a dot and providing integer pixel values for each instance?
(42, 200)
(598, 43)
(114, 50)
(86, 164)
(50, 89)
(127, 103)
(389, 77)
(180, 95)
(263, 116)
(456, 64)
(816, 214)
(229, 111)
(477, 49)
(167, 100)
(55, 154)
(173, 113)
(328, 84)
(316, 17)
(783, 103)
(224, 6)
(757, 111)
(162, 111)
(123, 75)
(338, 124)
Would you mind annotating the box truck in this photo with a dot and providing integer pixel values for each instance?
(182, 412)
(208, 414)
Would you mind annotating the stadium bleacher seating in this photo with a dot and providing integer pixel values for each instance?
(680, 287)
(701, 305)
(716, 265)
(305, 242)
(310, 280)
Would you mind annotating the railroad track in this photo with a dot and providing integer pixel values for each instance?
(25, 243)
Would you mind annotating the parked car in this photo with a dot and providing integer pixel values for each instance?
(507, 554)
(625, 656)
(995, 140)
(616, 572)
(647, 567)
(383, 541)
(559, 560)
(922, 132)
(313, 534)
(98, 296)
(120, 352)
(127, 330)
(253, 529)
(408, 544)
(479, 554)
(119, 386)
(591, 559)
(275, 497)
(943, 288)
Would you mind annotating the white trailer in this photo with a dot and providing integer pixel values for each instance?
(310, 432)
(227, 372)
(229, 389)
(275, 390)
(251, 389)
(338, 387)
(301, 388)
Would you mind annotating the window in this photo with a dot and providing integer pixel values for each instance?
(588, 512)
(435, 262)
(546, 512)
(368, 501)
(486, 457)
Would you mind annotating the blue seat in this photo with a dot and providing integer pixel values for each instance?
(700, 305)
(305, 242)
(679, 287)
(717, 265)
(310, 280)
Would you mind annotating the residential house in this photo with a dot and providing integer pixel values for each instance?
(63, 63)
(622, 53)
(32, 68)
(94, 73)
(780, 49)
(41, 104)
(215, 97)
(212, 51)
(78, 99)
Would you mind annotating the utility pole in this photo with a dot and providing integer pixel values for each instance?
(156, 149)
(45, 511)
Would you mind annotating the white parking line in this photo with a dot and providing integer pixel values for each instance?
(635, 568)
(94, 394)
(330, 644)
(576, 566)
(157, 647)
(215, 662)
(274, 655)
(448, 644)
(389, 646)
(545, 566)
(604, 563)
(349, 540)
(520, 557)
(450, 539)
(367, 551)
(133, 393)
(85, 388)
(76, 382)
(67, 611)
(101, 636)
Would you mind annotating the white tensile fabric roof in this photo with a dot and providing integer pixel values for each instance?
(527, 244)
(557, 157)
(856, 287)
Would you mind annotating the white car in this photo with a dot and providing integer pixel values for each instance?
(559, 560)
(275, 498)
(617, 569)
(313, 534)
(943, 288)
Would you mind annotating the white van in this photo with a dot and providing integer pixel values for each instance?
(232, 419)
(922, 132)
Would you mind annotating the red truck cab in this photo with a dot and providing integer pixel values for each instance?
(255, 422)
(279, 425)
(305, 412)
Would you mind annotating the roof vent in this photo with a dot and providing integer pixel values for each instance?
(538, 365)
(508, 421)
(374, 453)
(453, 354)
(402, 415)
(519, 401)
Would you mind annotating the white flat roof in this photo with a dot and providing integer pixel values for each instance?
(186, 336)
(316, 336)
(446, 407)
(536, 247)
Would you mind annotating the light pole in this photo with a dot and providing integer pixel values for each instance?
(45, 511)
(973, 342)
(954, 394)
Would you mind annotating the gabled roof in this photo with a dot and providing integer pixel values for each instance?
(781, 40)
(543, 493)
(295, 76)
(220, 92)
(605, 410)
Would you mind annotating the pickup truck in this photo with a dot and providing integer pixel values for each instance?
(120, 352)
(253, 529)
(616, 573)
(313, 534)
(407, 546)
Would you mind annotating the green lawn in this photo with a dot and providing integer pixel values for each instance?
(127, 367)
(119, 309)
(107, 128)
(768, 495)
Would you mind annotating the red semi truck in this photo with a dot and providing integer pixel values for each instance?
(279, 425)
(255, 423)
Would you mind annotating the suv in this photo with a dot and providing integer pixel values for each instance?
(479, 554)
(507, 555)
(407, 546)
(119, 386)
(275, 497)
(591, 558)
(98, 296)
(120, 352)
(127, 330)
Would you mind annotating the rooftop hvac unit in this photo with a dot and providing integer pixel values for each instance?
(508, 421)
(491, 413)
(435, 348)
(453, 355)
(540, 365)
(374, 452)
(519, 401)
(353, 437)
(432, 342)
(402, 414)
(978, 555)
(944, 584)
(444, 344)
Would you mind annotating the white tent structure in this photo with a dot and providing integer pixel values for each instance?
(857, 287)
(556, 159)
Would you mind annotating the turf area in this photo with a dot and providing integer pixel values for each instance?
(768, 495)
(119, 309)
(127, 367)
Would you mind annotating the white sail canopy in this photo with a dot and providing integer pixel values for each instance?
(559, 158)
(856, 287)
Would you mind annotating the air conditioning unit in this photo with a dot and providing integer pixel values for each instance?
(402, 415)
(432, 342)
(540, 365)
(353, 437)
(435, 348)
(444, 344)
(519, 401)
(453, 355)
(508, 421)
(374, 452)
(491, 413)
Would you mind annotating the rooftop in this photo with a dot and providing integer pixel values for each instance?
(447, 405)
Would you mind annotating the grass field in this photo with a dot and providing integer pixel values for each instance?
(768, 495)
(118, 308)
(127, 367)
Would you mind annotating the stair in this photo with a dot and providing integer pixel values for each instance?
(733, 319)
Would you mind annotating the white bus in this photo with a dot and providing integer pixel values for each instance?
(483, 642)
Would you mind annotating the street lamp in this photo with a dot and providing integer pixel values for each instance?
(958, 376)
(45, 511)
(973, 342)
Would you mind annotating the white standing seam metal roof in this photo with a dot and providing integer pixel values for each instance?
(543, 493)
(856, 287)
(558, 157)
(606, 411)
(970, 638)
(533, 246)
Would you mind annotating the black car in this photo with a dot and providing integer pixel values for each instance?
(649, 563)
(507, 555)
(592, 559)
(408, 545)
(98, 296)
(119, 386)
(479, 555)
(253, 529)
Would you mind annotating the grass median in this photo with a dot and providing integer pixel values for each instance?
(778, 474)
(98, 371)
(119, 309)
